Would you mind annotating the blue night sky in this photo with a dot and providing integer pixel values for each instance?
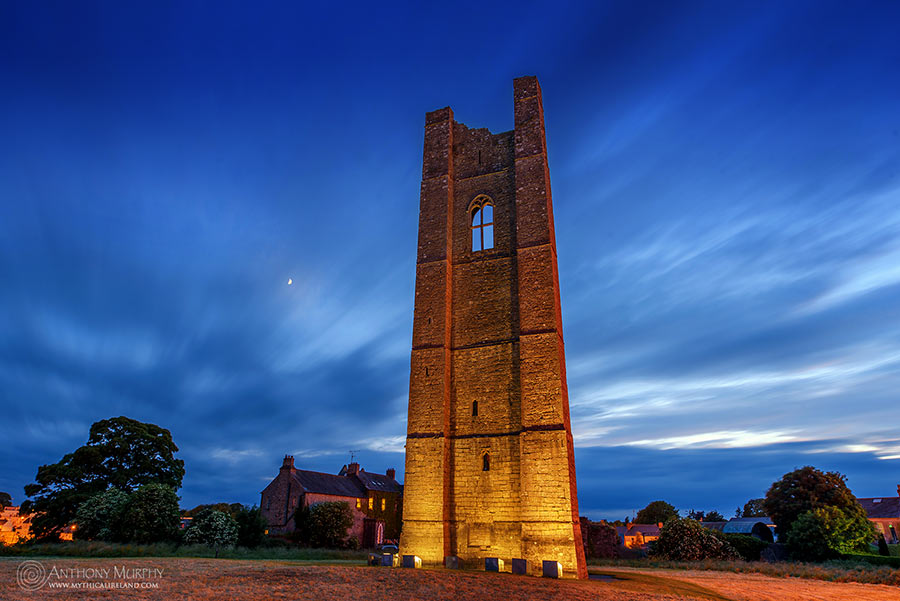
(726, 181)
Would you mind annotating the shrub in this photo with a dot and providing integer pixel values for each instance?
(683, 539)
(101, 516)
(151, 515)
(828, 532)
(875, 560)
(748, 547)
(323, 524)
(213, 529)
(251, 527)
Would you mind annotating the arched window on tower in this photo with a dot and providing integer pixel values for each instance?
(485, 463)
(482, 224)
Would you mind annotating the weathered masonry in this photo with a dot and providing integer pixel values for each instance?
(490, 470)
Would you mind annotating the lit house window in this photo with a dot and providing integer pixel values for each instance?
(371, 503)
(359, 503)
(383, 504)
(482, 224)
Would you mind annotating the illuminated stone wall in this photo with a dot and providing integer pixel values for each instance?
(487, 328)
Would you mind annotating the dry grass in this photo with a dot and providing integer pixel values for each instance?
(240, 580)
(833, 571)
(758, 587)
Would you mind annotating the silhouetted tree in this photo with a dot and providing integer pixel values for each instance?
(752, 509)
(120, 453)
(5, 500)
(657, 511)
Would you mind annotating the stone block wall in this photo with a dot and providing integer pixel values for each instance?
(487, 329)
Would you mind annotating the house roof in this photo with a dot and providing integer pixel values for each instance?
(651, 529)
(329, 484)
(764, 519)
(714, 525)
(881, 507)
(379, 482)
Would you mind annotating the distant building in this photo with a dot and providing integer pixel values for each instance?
(638, 536)
(14, 526)
(762, 528)
(375, 500)
(884, 513)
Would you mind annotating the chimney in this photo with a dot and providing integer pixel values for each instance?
(288, 463)
(352, 469)
(391, 473)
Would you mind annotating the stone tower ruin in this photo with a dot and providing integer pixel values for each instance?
(490, 469)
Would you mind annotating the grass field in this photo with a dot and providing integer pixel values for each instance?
(258, 580)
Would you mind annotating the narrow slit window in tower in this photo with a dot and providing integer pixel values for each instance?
(474, 408)
(485, 463)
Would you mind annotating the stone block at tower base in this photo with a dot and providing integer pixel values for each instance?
(552, 569)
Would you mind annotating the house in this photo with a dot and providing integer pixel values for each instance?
(14, 526)
(637, 536)
(884, 513)
(375, 500)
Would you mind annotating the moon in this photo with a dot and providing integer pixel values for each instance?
(290, 281)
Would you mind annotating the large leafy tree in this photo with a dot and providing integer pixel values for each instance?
(5, 500)
(827, 532)
(120, 453)
(657, 511)
(752, 509)
(806, 489)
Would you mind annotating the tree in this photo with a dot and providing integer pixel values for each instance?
(684, 539)
(711, 516)
(827, 532)
(752, 509)
(5, 500)
(655, 512)
(806, 489)
(212, 528)
(323, 524)
(120, 453)
(151, 515)
(101, 516)
(232, 509)
(251, 527)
